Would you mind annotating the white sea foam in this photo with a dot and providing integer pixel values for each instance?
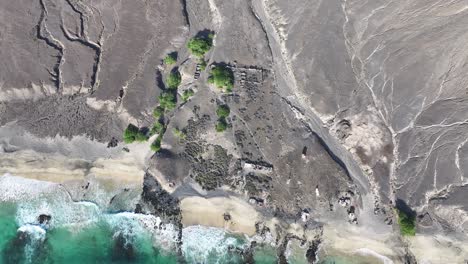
(62, 210)
(34, 231)
(368, 252)
(14, 188)
(206, 244)
(36, 235)
(34, 198)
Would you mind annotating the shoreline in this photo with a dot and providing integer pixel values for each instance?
(57, 161)
(338, 239)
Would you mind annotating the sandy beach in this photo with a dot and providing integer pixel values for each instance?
(62, 160)
(442, 249)
(210, 211)
(59, 169)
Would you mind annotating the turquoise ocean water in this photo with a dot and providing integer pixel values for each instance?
(114, 238)
(122, 238)
(82, 233)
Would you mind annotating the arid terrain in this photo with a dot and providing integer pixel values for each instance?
(341, 113)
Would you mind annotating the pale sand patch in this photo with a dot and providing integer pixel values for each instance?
(352, 240)
(210, 211)
(59, 169)
(438, 249)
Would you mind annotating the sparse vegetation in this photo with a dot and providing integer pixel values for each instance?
(133, 133)
(173, 80)
(167, 100)
(223, 111)
(187, 94)
(222, 77)
(221, 125)
(202, 64)
(179, 133)
(198, 46)
(407, 223)
(170, 58)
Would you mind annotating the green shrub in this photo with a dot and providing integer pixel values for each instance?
(158, 112)
(173, 80)
(156, 145)
(223, 111)
(221, 125)
(407, 223)
(198, 46)
(167, 100)
(187, 94)
(222, 77)
(170, 58)
(157, 128)
(133, 133)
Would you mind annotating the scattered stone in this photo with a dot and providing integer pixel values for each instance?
(304, 152)
(227, 217)
(138, 209)
(113, 143)
(256, 201)
(305, 215)
(344, 201)
(44, 219)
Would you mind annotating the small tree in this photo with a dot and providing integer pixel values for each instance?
(187, 94)
(167, 100)
(156, 145)
(198, 46)
(173, 80)
(170, 58)
(157, 128)
(407, 223)
(158, 112)
(221, 125)
(133, 133)
(202, 64)
(222, 77)
(223, 111)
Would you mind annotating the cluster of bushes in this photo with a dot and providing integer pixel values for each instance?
(198, 46)
(222, 112)
(167, 101)
(132, 133)
(222, 77)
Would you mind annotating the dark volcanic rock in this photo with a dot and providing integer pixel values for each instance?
(44, 219)
(163, 204)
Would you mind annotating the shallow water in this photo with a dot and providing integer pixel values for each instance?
(109, 238)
